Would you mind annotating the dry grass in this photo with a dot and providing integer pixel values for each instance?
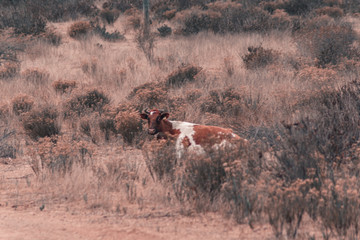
(299, 110)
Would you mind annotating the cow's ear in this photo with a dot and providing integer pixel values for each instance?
(144, 116)
(164, 115)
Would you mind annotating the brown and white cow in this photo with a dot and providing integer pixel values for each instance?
(190, 136)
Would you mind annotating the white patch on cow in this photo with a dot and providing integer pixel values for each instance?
(186, 130)
(151, 113)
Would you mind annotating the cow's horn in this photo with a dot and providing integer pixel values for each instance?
(146, 111)
(161, 110)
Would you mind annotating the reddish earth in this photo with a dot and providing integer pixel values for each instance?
(21, 217)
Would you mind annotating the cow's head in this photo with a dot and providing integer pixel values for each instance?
(154, 118)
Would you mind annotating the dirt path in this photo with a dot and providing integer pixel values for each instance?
(36, 224)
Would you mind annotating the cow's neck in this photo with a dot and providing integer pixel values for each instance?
(167, 128)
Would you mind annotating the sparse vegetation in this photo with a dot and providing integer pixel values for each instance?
(282, 74)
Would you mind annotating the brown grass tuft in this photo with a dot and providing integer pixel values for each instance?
(36, 76)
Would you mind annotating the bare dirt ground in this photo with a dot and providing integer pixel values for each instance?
(21, 217)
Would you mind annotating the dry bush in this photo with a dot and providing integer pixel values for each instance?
(9, 70)
(280, 20)
(50, 36)
(109, 16)
(91, 100)
(25, 22)
(326, 40)
(196, 20)
(7, 150)
(227, 102)
(79, 30)
(111, 37)
(128, 124)
(22, 104)
(64, 86)
(286, 206)
(58, 154)
(334, 12)
(4, 111)
(149, 95)
(36, 76)
(182, 75)
(160, 158)
(90, 67)
(298, 7)
(164, 30)
(169, 14)
(339, 207)
(146, 43)
(41, 123)
(122, 5)
(259, 57)
(193, 95)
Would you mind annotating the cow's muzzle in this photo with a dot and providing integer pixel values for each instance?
(152, 131)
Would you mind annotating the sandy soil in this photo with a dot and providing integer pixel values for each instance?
(31, 224)
(21, 218)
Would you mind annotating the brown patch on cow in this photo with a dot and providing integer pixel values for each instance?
(210, 135)
(186, 142)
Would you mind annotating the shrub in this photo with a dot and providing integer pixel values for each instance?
(64, 86)
(280, 20)
(6, 150)
(196, 20)
(259, 57)
(334, 12)
(22, 104)
(326, 40)
(149, 95)
(51, 37)
(110, 16)
(90, 67)
(41, 123)
(193, 95)
(4, 110)
(58, 154)
(111, 37)
(9, 70)
(183, 75)
(228, 102)
(128, 124)
(169, 14)
(83, 102)
(36, 76)
(160, 158)
(164, 30)
(79, 30)
(25, 22)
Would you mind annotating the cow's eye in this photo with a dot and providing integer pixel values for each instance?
(158, 119)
